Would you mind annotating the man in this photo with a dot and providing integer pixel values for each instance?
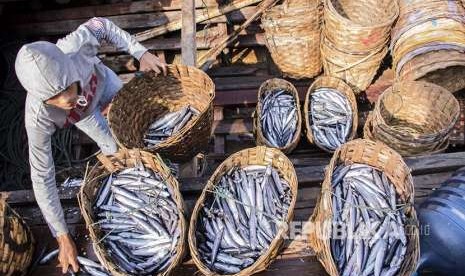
(67, 85)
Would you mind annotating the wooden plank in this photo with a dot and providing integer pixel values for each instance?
(188, 31)
(129, 21)
(103, 10)
(200, 16)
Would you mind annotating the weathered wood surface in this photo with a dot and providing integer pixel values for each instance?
(188, 34)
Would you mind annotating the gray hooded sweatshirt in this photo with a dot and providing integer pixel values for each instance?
(46, 69)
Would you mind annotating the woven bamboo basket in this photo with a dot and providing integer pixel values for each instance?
(438, 67)
(266, 87)
(385, 159)
(428, 42)
(147, 98)
(358, 25)
(413, 117)
(252, 156)
(292, 35)
(16, 242)
(340, 86)
(356, 70)
(108, 164)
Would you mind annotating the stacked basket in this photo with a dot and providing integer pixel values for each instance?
(428, 42)
(354, 38)
(413, 117)
(386, 160)
(16, 242)
(149, 97)
(292, 35)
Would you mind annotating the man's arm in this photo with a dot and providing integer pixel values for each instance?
(46, 194)
(88, 37)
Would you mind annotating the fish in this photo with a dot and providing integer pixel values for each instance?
(330, 118)
(365, 202)
(168, 125)
(278, 117)
(229, 241)
(139, 224)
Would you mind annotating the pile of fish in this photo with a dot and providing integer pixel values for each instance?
(331, 118)
(238, 223)
(278, 117)
(86, 266)
(368, 224)
(168, 125)
(139, 220)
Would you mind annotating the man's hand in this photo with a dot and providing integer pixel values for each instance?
(149, 62)
(68, 253)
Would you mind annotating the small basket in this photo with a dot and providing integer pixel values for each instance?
(16, 242)
(340, 86)
(148, 97)
(385, 159)
(292, 35)
(252, 156)
(108, 164)
(413, 118)
(266, 87)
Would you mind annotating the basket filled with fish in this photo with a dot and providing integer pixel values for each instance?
(330, 113)
(16, 242)
(365, 222)
(277, 119)
(171, 115)
(242, 216)
(413, 118)
(133, 210)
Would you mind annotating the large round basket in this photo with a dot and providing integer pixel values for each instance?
(385, 159)
(148, 97)
(108, 164)
(428, 42)
(252, 156)
(267, 87)
(340, 86)
(292, 35)
(16, 242)
(413, 118)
